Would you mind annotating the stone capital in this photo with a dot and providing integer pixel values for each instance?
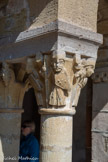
(12, 88)
(58, 80)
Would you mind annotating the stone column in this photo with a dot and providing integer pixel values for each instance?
(56, 137)
(11, 97)
(10, 127)
(57, 81)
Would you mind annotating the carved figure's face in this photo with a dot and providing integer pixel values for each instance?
(58, 65)
(90, 71)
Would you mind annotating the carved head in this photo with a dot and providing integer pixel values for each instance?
(90, 65)
(90, 70)
(58, 64)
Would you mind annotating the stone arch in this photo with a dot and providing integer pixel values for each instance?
(30, 108)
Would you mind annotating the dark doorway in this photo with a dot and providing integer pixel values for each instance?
(79, 129)
(31, 111)
(82, 126)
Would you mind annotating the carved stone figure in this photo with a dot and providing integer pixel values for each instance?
(12, 92)
(35, 80)
(7, 74)
(61, 85)
(51, 81)
(83, 69)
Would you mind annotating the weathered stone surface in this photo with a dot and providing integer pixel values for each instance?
(68, 11)
(57, 82)
(9, 135)
(102, 27)
(46, 12)
(12, 92)
(11, 99)
(101, 74)
(13, 17)
(56, 138)
(70, 39)
(65, 28)
(100, 121)
(51, 74)
(99, 148)
(17, 16)
(100, 88)
(100, 97)
(82, 13)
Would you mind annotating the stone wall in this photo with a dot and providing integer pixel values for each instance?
(100, 91)
(13, 17)
(82, 13)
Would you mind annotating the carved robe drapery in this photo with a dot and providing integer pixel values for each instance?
(60, 89)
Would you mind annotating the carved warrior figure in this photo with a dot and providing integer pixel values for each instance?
(83, 69)
(61, 85)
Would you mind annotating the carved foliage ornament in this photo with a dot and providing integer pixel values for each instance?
(12, 91)
(83, 68)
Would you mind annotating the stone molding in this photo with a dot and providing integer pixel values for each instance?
(12, 110)
(58, 111)
(100, 75)
(57, 35)
(61, 27)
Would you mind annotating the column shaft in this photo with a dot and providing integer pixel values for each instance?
(56, 138)
(9, 134)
